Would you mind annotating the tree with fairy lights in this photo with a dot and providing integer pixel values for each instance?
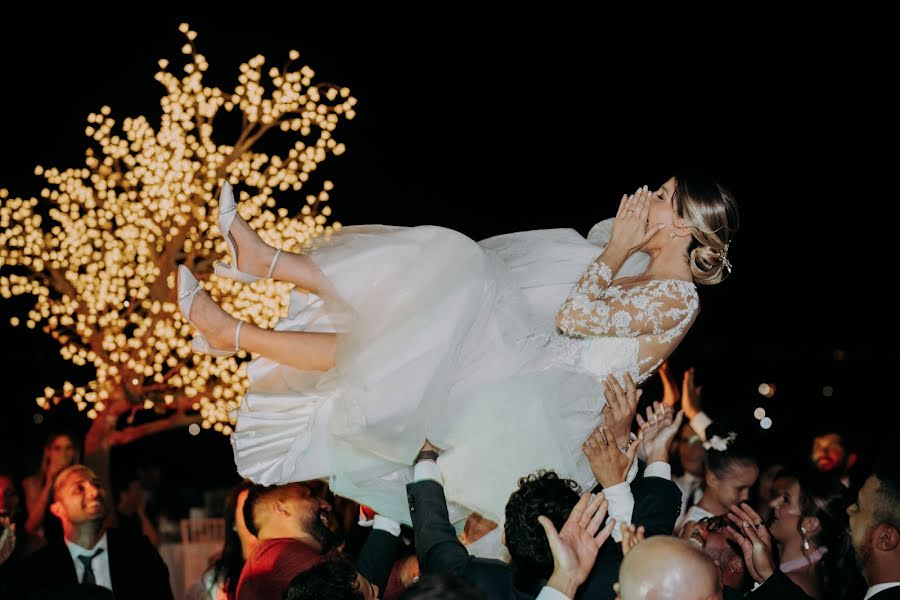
(98, 251)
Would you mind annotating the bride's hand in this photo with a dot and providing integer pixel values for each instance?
(630, 231)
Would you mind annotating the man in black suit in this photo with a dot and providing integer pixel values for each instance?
(539, 566)
(652, 501)
(91, 561)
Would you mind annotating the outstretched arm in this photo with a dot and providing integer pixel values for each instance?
(437, 547)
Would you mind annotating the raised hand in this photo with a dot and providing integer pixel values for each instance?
(621, 405)
(631, 537)
(7, 538)
(690, 395)
(609, 465)
(754, 539)
(630, 231)
(575, 547)
(671, 393)
(658, 431)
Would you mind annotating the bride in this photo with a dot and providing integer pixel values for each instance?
(495, 351)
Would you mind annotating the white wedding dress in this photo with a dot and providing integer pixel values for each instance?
(455, 341)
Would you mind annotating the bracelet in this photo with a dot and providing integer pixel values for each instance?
(426, 455)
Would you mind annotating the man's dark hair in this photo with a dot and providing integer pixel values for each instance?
(443, 586)
(542, 493)
(330, 580)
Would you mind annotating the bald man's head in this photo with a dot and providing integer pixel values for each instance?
(667, 568)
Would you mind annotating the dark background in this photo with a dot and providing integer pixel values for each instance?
(496, 124)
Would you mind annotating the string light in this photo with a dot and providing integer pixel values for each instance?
(99, 249)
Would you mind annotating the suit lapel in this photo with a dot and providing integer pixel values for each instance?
(66, 562)
(116, 576)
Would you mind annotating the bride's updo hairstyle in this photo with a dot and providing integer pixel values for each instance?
(711, 213)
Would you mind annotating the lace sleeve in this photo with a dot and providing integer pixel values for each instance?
(661, 308)
(575, 315)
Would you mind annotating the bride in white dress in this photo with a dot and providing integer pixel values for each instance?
(495, 351)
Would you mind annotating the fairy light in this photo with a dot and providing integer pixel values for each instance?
(98, 250)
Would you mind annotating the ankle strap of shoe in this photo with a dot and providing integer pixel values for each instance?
(237, 336)
(274, 261)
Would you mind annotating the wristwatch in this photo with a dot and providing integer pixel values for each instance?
(426, 455)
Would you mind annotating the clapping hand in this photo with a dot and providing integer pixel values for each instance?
(753, 537)
(632, 535)
(671, 393)
(575, 547)
(658, 431)
(690, 395)
(7, 538)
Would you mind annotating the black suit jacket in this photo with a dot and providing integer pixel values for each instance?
(440, 551)
(888, 594)
(377, 556)
(779, 587)
(657, 505)
(136, 570)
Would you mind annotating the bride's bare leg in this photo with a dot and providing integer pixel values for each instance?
(307, 351)
(302, 350)
(255, 257)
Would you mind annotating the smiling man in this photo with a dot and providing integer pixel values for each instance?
(91, 561)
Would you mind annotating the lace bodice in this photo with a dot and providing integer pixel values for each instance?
(655, 313)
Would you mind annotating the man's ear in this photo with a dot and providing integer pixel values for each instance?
(885, 537)
(736, 564)
(280, 506)
(57, 510)
(503, 539)
(851, 460)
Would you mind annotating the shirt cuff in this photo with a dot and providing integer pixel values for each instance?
(699, 424)
(621, 507)
(659, 469)
(427, 469)
(385, 524)
(549, 593)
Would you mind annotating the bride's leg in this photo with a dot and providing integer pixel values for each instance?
(307, 351)
(255, 257)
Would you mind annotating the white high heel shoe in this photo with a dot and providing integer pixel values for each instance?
(188, 288)
(227, 214)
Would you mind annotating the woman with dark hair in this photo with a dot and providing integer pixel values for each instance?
(497, 350)
(731, 471)
(61, 450)
(809, 524)
(221, 580)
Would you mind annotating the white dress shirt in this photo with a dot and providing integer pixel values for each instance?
(621, 500)
(880, 588)
(100, 564)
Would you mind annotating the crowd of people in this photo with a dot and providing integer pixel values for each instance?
(701, 517)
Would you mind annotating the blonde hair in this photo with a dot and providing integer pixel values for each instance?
(711, 213)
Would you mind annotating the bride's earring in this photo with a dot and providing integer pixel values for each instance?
(672, 235)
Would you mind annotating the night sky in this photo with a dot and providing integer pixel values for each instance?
(542, 122)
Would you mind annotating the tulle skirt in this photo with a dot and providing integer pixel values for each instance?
(439, 338)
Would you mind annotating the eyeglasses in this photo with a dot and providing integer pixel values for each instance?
(714, 524)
